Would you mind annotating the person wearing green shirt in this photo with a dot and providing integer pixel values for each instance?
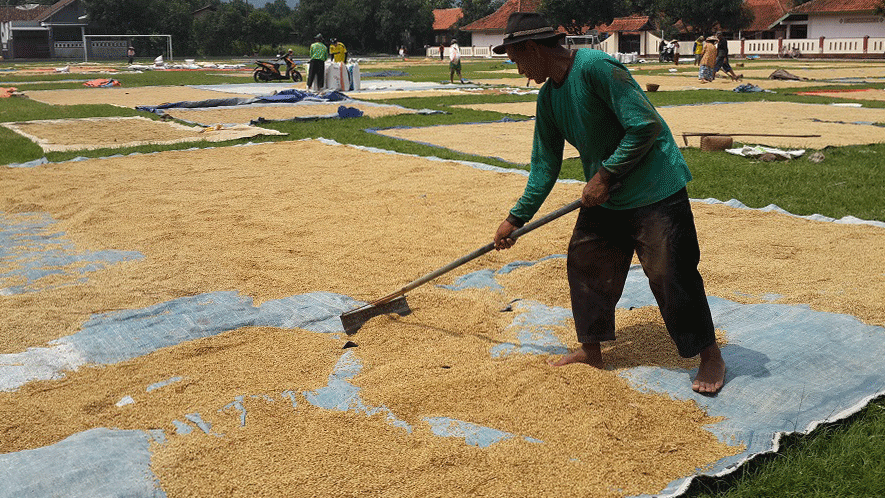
(317, 65)
(634, 201)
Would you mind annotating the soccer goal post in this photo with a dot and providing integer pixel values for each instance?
(116, 46)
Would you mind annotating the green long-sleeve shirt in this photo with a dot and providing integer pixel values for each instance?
(602, 112)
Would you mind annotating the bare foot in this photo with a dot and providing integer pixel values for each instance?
(711, 372)
(590, 353)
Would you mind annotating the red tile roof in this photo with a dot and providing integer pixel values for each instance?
(16, 14)
(444, 19)
(56, 7)
(498, 20)
(767, 12)
(822, 6)
(627, 24)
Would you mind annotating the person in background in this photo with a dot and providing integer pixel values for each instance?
(455, 62)
(674, 46)
(316, 68)
(442, 51)
(131, 54)
(708, 60)
(698, 50)
(337, 51)
(722, 59)
(634, 201)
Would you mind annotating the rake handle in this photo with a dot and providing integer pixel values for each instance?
(547, 218)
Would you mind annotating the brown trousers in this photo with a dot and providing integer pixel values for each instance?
(664, 237)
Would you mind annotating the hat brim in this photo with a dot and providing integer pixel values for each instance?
(502, 48)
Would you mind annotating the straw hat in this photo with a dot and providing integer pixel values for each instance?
(522, 26)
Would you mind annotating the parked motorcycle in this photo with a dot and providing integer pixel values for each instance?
(270, 71)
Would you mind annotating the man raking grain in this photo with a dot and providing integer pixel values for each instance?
(592, 102)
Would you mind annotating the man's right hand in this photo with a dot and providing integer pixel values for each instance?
(502, 236)
(597, 190)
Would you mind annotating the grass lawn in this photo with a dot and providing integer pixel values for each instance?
(844, 459)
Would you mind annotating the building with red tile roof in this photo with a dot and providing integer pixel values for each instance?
(445, 22)
(833, 19)
(630, 24)
(766, 14)
(813, 22)
(629, 34)
(489, 31)
(838, 6)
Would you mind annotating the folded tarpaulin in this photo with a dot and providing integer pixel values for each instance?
(293, 95)
(349, 112)
(781, 74)
(196, 104)
(283, 96)
(749, 88)
(101, 82)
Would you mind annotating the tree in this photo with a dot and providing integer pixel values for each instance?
(368, 25)
(224, 31)
(442, 4)
(144, 17)
(576, 15)
(121, 16)
(716, 15)
(278, 9)
(261, 29)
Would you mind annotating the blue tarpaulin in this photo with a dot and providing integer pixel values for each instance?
(283, 96)
(790, 368)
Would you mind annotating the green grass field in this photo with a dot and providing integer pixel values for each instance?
(845, 459)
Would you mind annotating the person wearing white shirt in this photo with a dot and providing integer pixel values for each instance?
(455, 62)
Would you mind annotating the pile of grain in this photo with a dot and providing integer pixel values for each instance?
(127, 97)
(867, 94)
(508, 140)
(523, 108)
(401, 94)
(245, 114)
(98, 133)
(823, 73)
(835, 125)
(275, 220)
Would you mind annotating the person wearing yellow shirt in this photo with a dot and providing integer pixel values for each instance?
(698, 50)
(338, 51)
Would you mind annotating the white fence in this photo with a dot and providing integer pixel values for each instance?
(99, 49)
(818, 47)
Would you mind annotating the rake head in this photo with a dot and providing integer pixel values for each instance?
(353, 320)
